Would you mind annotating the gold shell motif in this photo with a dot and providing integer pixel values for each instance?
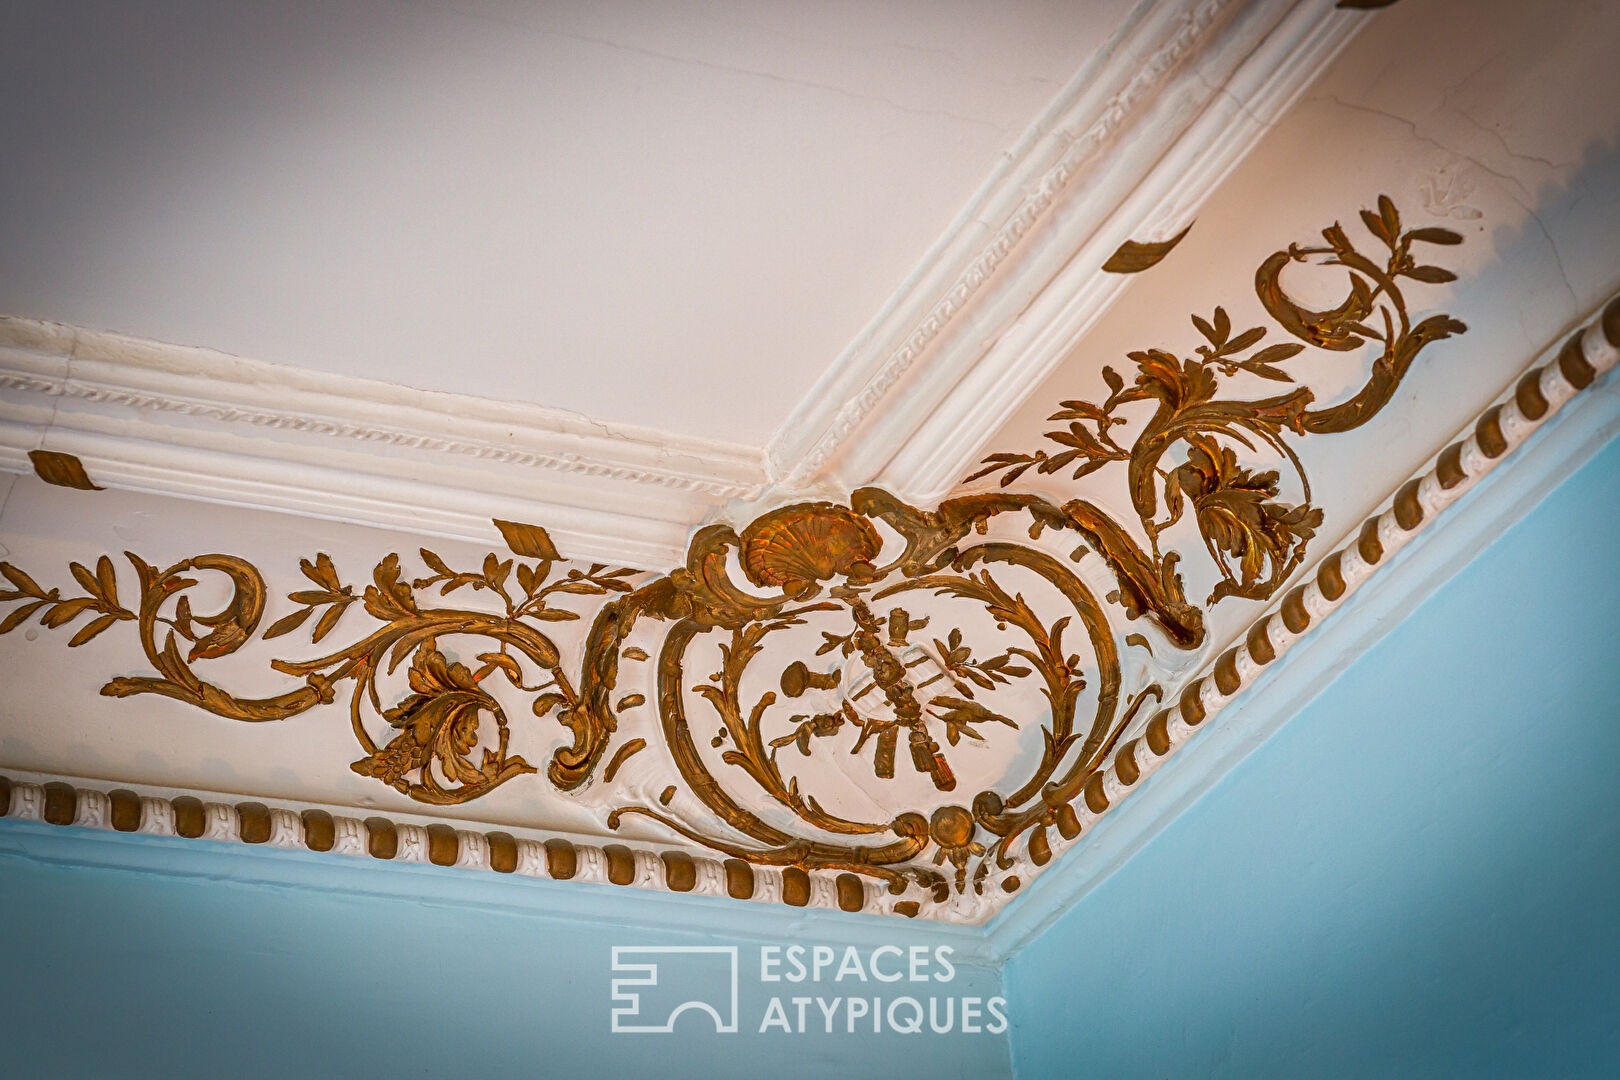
(796, 546)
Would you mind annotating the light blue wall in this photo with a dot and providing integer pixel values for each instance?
(1419, 875)
(130, 973)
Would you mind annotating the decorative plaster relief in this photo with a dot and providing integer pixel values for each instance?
(1178, 96)
(824, 681)
(171, 419)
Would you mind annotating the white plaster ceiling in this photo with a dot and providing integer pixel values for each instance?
(666, 214)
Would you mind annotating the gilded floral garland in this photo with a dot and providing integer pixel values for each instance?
(897, 690)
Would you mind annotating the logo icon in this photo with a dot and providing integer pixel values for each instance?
(673, 986)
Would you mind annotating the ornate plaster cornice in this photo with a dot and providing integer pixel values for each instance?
(1289, 627)
(1128, 149)
(747, 592)
(178, 420)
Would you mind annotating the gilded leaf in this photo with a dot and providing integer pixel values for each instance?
(63, 470)
(1078, 437)
(1245, 339)
(1435, 235)
(288, 624)
(389, 599)
(321, 571)
(1273, 354)
(1265, 371)
(1391, 216)
(84, 578)
(147, 574)
(108, 580)
(328, 621)
(91, 629)
(505, 663)
(546, 702)
(1376, 225)
(67, 611)
(552, 614)
(1203, 327)
(20, 615)
(620, 756)
(223, 640)
(529, 541)
(21, 580)
(1434, 275)
(1134, 256)
(496, 571)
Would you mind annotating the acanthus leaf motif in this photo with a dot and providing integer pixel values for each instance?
(438, 724)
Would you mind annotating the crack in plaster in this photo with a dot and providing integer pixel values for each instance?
(1524, 199)
(1412, 127)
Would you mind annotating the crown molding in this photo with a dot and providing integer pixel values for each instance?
(1555, 416)
(184, 421)
(1128, 150)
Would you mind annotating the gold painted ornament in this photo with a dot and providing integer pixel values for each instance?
(908, 697)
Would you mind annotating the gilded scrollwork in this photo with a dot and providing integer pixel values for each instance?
(1254, 537)
(437, 723)
(891, 642)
